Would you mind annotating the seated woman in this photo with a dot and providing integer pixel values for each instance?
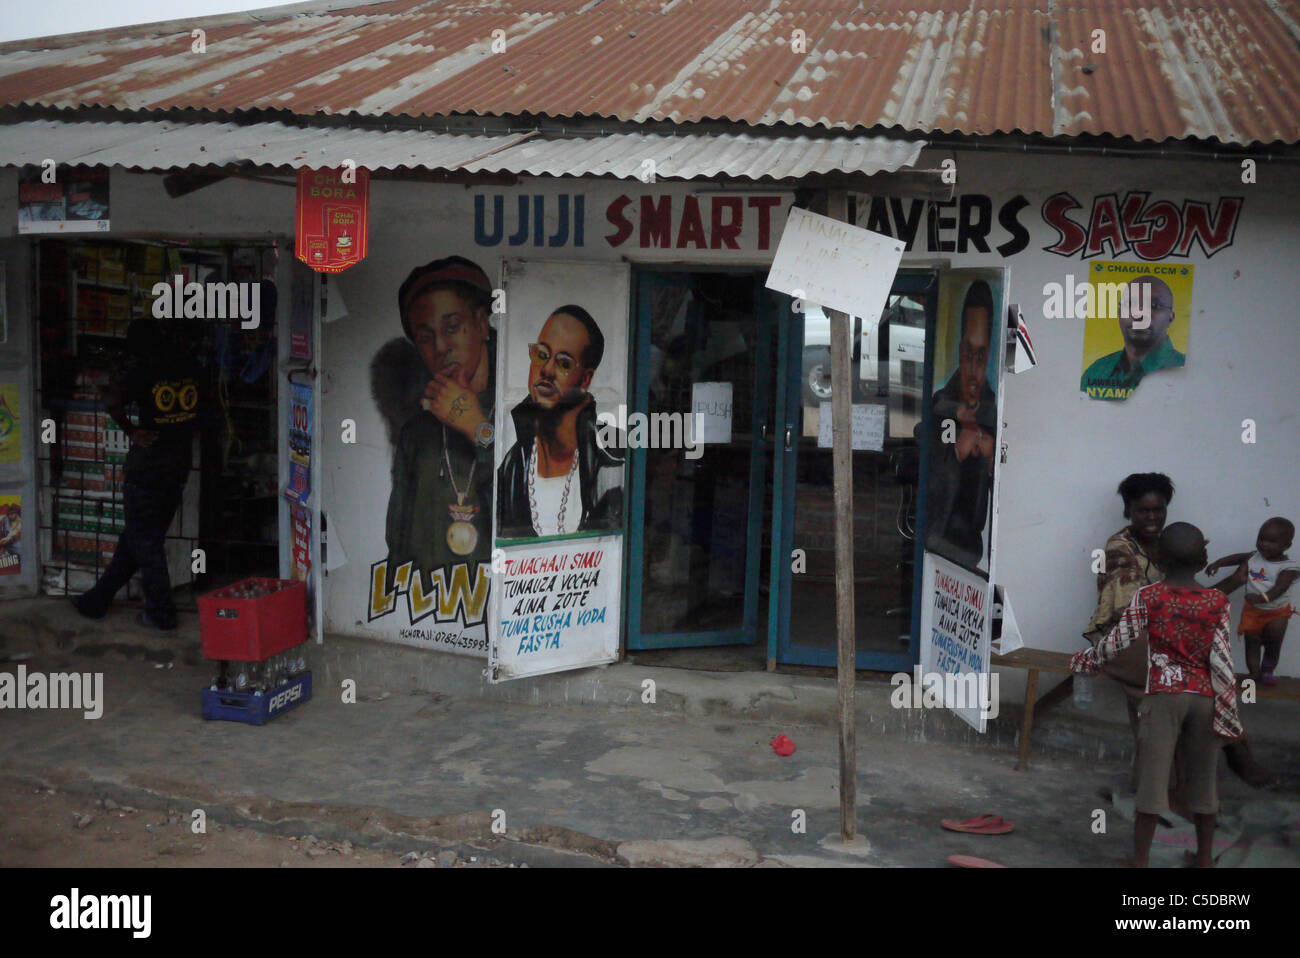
(1131, 563)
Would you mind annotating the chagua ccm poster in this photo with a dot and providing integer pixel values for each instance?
(1138, 322)
(559, 481)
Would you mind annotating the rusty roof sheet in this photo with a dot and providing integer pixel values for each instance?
(168, 144)
(1214, 69)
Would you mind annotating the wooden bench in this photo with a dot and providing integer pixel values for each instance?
(1034, 661)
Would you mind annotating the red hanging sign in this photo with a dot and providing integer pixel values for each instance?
(333, 217)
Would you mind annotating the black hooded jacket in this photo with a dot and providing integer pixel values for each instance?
(600, 512)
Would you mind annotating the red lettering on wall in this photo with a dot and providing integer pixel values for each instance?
(728, 231)
(1071, 235)
(1212, 233)
(764, 206)
(1104, 227)
(622, 228)
(656, 222)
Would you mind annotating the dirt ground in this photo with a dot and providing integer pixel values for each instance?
(43, 827)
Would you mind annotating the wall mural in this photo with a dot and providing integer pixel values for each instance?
(435, 388)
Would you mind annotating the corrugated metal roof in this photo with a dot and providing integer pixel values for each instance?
(1227, 69)
(165, 144)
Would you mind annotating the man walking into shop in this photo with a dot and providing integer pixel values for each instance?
(165, 386)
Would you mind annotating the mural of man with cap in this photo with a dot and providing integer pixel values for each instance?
(436, 391)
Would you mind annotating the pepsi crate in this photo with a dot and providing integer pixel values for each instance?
(254, 708)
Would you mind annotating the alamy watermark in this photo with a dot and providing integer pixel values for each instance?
(657, 430)
(57, 690)
(179, 299)
(937, 690)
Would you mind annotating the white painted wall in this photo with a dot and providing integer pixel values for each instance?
(1067, 453)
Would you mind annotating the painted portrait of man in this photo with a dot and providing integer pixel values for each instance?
(963, 446)
(557, 479)
(435, 388)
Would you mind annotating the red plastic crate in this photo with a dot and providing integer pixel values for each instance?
(251, 630)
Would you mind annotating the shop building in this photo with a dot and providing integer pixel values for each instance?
(657, 214)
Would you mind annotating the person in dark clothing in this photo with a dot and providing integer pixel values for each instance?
(166, 387)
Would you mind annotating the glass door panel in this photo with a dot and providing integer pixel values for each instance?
(697, 514)
(887, 366)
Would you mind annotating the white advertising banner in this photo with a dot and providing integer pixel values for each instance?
(955, 630)
(555, 606)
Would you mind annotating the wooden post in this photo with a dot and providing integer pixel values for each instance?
(842, 459)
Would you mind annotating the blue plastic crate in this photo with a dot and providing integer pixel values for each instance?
(253, 709)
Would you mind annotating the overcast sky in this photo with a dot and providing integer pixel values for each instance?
(20, 19)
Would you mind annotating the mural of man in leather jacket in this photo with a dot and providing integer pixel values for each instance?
(557, 479)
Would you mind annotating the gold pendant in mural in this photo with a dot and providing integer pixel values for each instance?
(462, 537)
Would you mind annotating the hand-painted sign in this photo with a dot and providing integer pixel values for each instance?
(1148, 229)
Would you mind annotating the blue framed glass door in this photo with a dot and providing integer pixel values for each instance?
(695, 544)
(888, 371)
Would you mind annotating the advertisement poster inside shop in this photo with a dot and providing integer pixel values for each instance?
(11, 435)
(1138, 319)
(299, 443)
(560, 467)
(76, 202)
(955, 633)
(11, 535)
(332, 224)
(965, 419)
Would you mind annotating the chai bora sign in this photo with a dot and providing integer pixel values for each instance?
(332, 221)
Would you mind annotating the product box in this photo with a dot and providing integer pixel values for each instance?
(253, 619)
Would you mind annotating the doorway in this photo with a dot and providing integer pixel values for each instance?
(88, 292)
(736, 547)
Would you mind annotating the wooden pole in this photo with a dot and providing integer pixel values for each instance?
(842, 459)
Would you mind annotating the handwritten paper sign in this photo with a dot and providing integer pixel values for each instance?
(955, 630)
(711, 406)
(834, 264)
(556, 606)
(868, 426)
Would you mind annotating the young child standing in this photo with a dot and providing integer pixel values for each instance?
(1267, 573)
(1190, 692)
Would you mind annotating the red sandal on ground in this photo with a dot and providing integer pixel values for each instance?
(988, 824)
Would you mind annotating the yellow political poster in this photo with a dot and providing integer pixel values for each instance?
(1137, 321)
(11, 534)
(11, 438)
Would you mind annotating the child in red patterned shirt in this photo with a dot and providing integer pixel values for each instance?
(1191, 690)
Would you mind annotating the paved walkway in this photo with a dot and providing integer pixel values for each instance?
(405, 769)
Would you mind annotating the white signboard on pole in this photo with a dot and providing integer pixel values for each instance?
(956, 614)
(835, 264)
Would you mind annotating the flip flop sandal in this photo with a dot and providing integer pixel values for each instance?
(987, 824)
(970, 861)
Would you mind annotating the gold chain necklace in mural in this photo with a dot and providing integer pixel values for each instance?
(532, 489)
(462, 537)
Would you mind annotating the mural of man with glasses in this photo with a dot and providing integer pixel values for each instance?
(557, 479)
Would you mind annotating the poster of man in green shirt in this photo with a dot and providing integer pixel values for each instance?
(1151, 321)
